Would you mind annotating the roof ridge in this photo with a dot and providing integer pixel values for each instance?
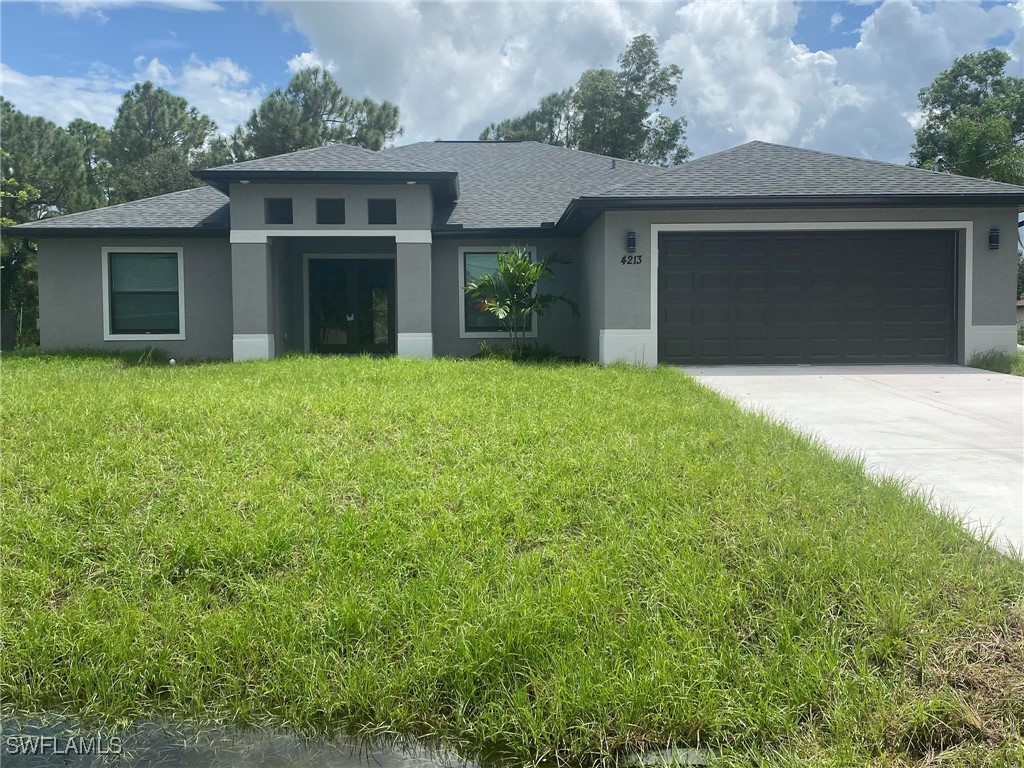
(886, 163)
(693, 166)
(671, 169)
(307, 150)
(561, 148)
(375, 154)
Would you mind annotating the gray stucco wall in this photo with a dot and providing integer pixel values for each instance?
(629, 287)
(71, 295)
(413, 205)
(413, 299)
(560, 328)
(592, 286)
(252, 294)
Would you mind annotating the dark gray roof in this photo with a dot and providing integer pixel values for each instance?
(524, 185)
(331, 159)
(517, 184)
(200, 209)
(758, 169)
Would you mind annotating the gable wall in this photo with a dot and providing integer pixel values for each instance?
(414, 205)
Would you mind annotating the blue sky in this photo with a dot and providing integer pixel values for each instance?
(837, 76)
(41, 38)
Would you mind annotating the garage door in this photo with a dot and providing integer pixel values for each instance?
(798, 297)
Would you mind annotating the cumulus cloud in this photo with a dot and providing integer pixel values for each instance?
(222, 89)
(453, 68)
(835, 20)
(308, 59)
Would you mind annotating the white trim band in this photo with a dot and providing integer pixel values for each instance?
(627, 345)
(258, 236)
(985, 338)
(252, 346)
(415, 345)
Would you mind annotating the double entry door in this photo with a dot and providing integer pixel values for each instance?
(351, 305)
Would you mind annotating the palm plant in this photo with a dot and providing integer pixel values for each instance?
(511, 295)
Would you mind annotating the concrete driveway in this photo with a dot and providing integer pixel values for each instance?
(954, 431)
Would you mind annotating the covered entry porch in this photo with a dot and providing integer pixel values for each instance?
(331, 295)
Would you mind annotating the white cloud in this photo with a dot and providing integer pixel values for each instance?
(835, 21)
(454, 67)
(221, 89)
(93, 96)
(309, 59)
(79, 8)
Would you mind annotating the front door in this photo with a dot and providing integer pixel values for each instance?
(351, 306)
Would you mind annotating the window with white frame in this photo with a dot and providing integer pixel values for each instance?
(474, 263)
(143, 292)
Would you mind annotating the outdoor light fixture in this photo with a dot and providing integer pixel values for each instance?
(631, 242)
(993, 239)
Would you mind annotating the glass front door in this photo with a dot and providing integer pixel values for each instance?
(351, 306)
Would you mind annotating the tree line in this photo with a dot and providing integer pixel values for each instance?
(973, 124)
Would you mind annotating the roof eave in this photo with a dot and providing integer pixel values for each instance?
(786, 201)
(29, 232)
(595, 204)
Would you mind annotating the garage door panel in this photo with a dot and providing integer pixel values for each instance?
(807, 297)
(714, 281)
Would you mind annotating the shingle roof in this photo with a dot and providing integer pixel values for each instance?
(517, 184)
(523, 185)
(758, 169)
(332, 158)
(202, 208)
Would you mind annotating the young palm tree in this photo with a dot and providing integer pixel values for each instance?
(510, 293)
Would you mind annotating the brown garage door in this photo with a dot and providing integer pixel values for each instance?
(822, 297)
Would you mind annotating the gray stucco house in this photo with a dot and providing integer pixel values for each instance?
(759, 254)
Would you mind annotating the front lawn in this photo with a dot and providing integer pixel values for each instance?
(528, 562)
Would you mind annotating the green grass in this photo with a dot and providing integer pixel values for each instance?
(537, 563)
(1000, 362)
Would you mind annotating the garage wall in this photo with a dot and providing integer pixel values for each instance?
(626, 322)
(71, 295)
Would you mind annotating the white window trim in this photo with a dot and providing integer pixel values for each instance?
(463, 333)
(105, 252)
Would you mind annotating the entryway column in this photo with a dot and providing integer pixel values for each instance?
(413, 302)
(252, 301)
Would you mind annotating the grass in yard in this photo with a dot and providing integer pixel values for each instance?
(1000, 362)
(556, 562)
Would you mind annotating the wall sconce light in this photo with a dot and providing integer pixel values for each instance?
(631, 242)
(993, 239)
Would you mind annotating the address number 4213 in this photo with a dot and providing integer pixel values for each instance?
(633, 258)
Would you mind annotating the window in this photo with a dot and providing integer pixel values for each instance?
(143, 293)
(382, 212)
(278, 210)
(474, 263)
(330, 210)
